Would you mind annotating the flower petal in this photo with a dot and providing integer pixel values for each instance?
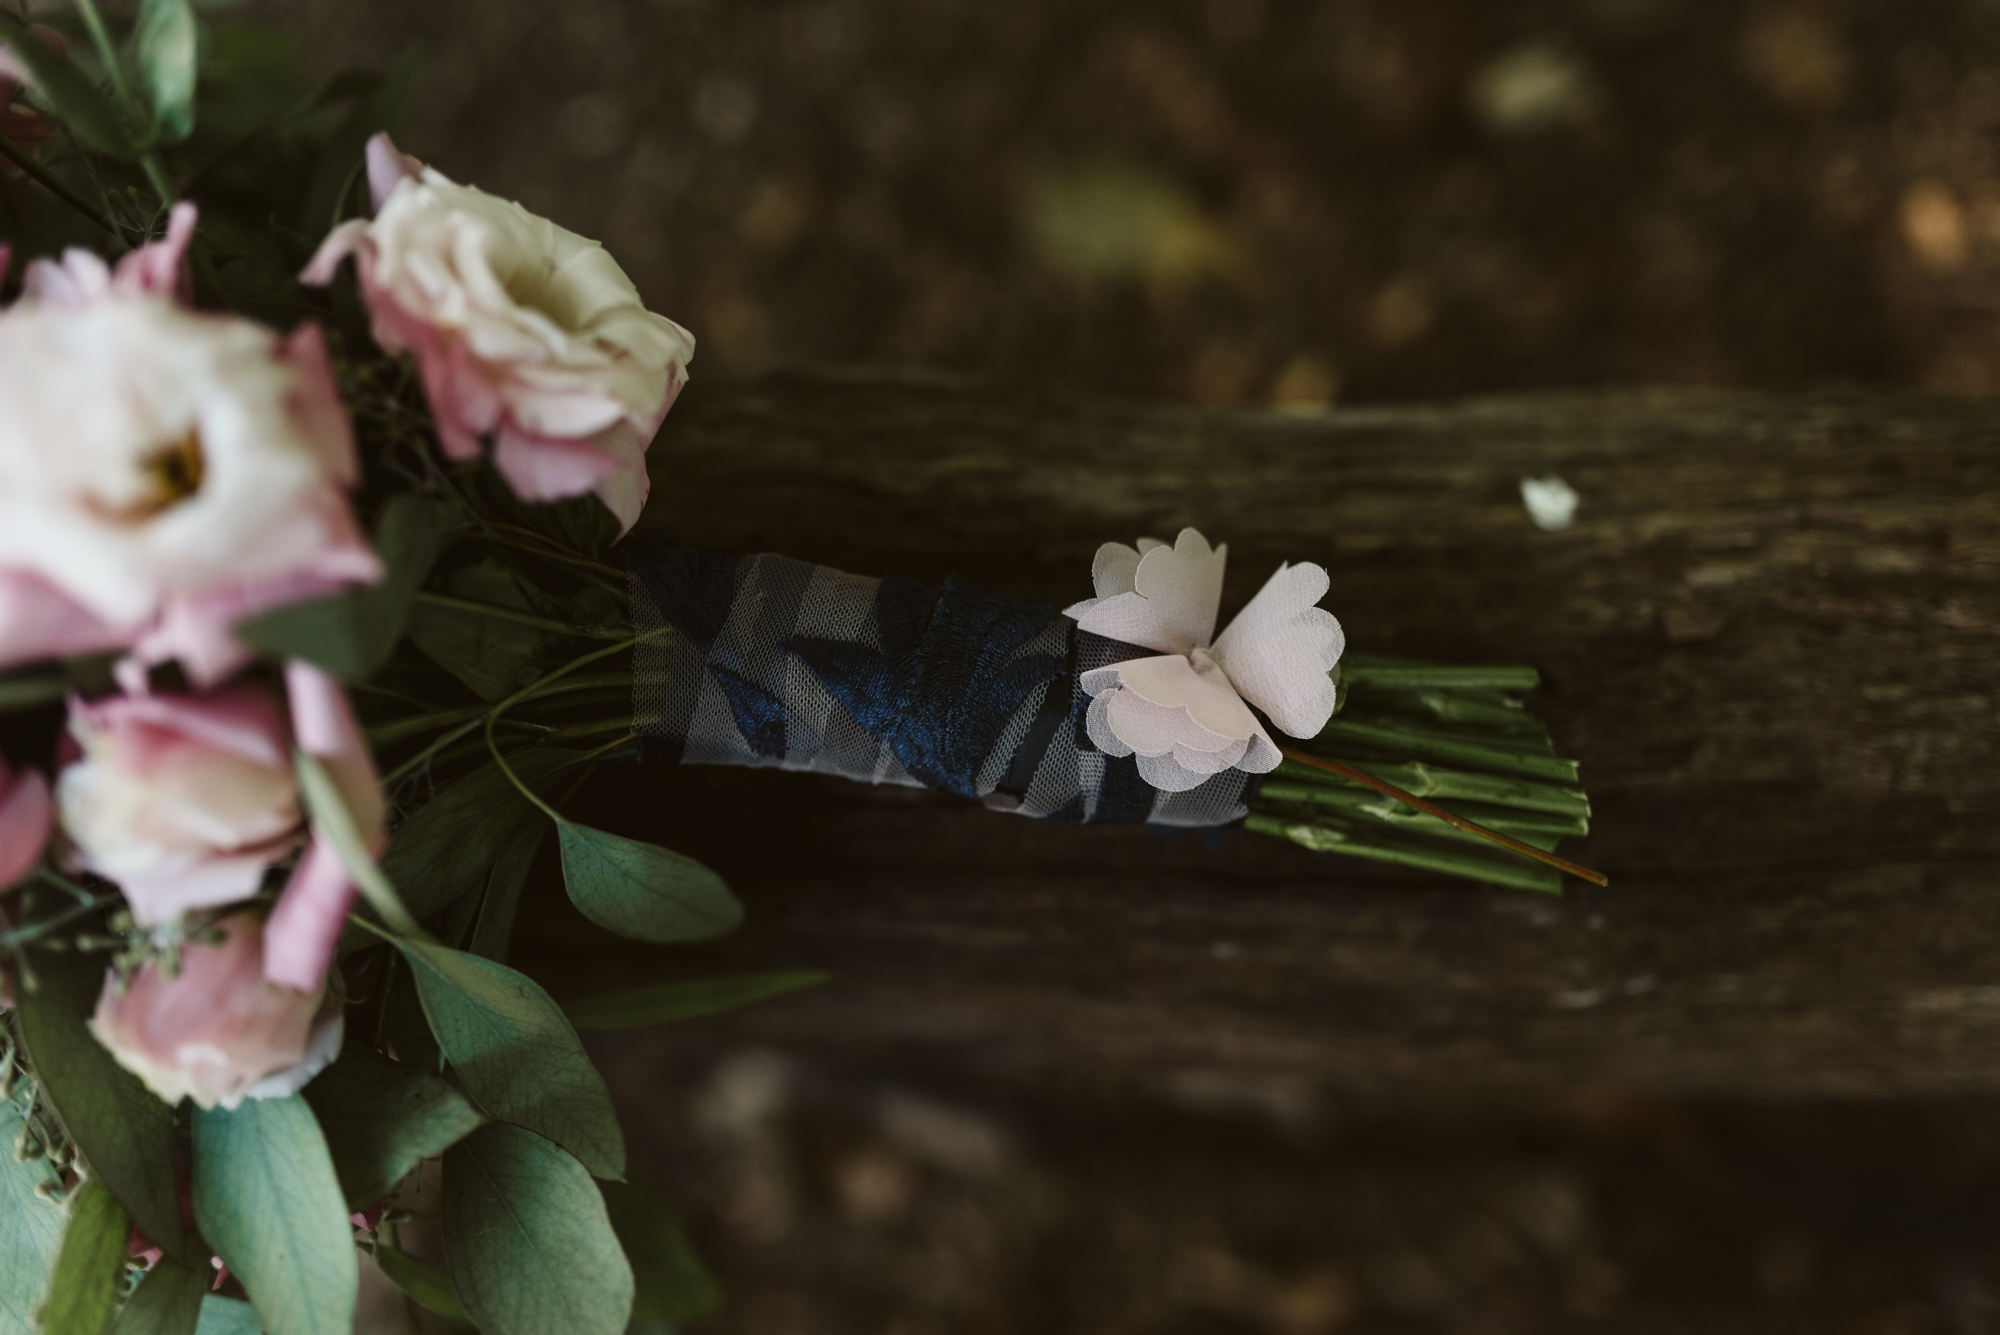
(1176, 594)
(1280, 650)
(26, 811)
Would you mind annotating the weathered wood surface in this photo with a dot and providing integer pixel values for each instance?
(1770, 638)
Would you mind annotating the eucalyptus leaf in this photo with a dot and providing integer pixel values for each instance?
(31, 1228)
(87, 113)
(168, 1301)
(381, 1119)
(125, 1133)
(421, 1280)
(91, 1266)
(529, 1240)
(644, 891)
(166, 46)
(515, 1053)
(267, 1198)
(660, 1002)
(448, 847)
(671, 1283)
(493, 930)
(227, 1316)
(352, 634)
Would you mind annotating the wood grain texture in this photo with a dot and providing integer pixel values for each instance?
(1770, 638)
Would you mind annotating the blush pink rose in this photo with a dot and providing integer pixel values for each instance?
(186, 801)
(219, 1032)
(163, 473)
(526, 335)
(25, 815)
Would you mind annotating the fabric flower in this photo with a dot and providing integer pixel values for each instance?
(163, 474)
(524, 333)
(25, 814)
(1184, 713)
(186, 801)
(218, 1033)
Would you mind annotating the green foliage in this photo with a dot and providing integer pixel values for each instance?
(671, 1283)
(421, 1280)
(168, 1301)
(87, 113)
(494, 657)
(166, 48)
(660, 1002)
(91, 1265)
(124, 1132)
(227, 1316)
(267, 1198)
(642, 890)
(381, 1118)
(447, 849)
(529, 1239)
(31, 1227)
(516, 1055)
(340, 162)
(352, 634)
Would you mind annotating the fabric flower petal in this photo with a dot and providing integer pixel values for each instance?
(1280, 650)
(1177, 592)
(1178, 707)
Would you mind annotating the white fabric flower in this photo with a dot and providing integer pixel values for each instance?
(1184, 713)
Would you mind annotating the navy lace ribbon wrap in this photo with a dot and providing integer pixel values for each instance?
(764, 660)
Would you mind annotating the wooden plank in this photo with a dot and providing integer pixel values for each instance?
(1770, 638)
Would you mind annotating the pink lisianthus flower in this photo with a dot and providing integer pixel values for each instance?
(25, 815)
(163, 473)
(186, 801)
(219, 1032)
(525, 334)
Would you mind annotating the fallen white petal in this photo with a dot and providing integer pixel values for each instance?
(1551, 502)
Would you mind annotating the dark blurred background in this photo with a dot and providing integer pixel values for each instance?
(1294, 203)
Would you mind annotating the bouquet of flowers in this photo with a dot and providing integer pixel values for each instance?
(320, 600)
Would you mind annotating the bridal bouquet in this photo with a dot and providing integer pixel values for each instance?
(319, 601)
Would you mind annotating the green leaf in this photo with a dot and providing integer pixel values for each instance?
(447, 848)
(267, 1198)
(31, 1228)
(87, 113)
(227, 1316)
(642, 890)
(340, 163)
(671, 1282)
(168, 1301)
(529, 1240)
(421, 1280)
(515, 1053)
(494, 928)
(333, 821)
(660, 1002)
(91, 1267)
(27, 691)
(381, 1118)
(125, 1132)
(492, 656)
(166, 44)
(352, 634)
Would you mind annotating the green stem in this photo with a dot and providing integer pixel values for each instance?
(521, 618)
(577, 731)
(35, 931)
(553, 552)
(156, 176)
(417, 761)
(493, 715)
(101, 38)
(1329, 837)
(21, 158)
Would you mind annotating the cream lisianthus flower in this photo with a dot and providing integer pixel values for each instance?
(163, 473)
(526, 335)
(1184, 713)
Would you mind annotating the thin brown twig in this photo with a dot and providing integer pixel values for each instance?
(1508, 842)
